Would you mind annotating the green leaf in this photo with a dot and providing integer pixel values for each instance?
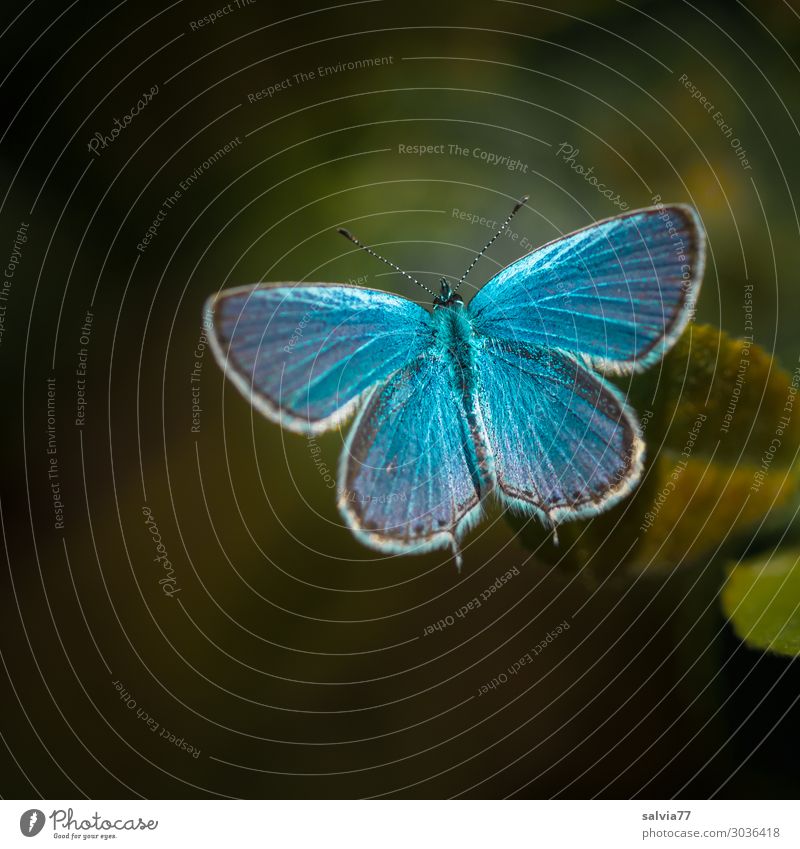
(762, 600)
(721, 423)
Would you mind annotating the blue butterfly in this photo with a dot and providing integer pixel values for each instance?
(504, 394)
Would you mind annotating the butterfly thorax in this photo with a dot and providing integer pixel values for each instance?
(455, 341)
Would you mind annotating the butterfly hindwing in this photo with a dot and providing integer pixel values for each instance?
(618, 293)
(409, 473)
(304, 354)
(563, 441)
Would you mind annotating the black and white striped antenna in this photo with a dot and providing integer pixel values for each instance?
(519, 204)
(348, 235)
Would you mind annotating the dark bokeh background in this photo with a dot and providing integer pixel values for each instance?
(293, 658)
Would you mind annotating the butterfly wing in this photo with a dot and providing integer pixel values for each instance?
(410, 472)
(564, 442)
(618, 293)
(304, 354)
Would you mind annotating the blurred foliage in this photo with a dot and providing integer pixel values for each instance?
(762, 600)
(720, 444)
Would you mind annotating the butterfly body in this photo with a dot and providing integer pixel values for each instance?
(458, 348)
(498, 395)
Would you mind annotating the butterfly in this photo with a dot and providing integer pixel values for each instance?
(504, 395)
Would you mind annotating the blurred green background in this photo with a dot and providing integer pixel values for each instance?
(294, 659)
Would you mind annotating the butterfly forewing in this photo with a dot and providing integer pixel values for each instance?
(304, 354)
(618, 293)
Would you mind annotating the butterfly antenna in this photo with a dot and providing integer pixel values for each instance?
(348, 235)
(517, 206)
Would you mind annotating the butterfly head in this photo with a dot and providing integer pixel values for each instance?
(448, 298)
